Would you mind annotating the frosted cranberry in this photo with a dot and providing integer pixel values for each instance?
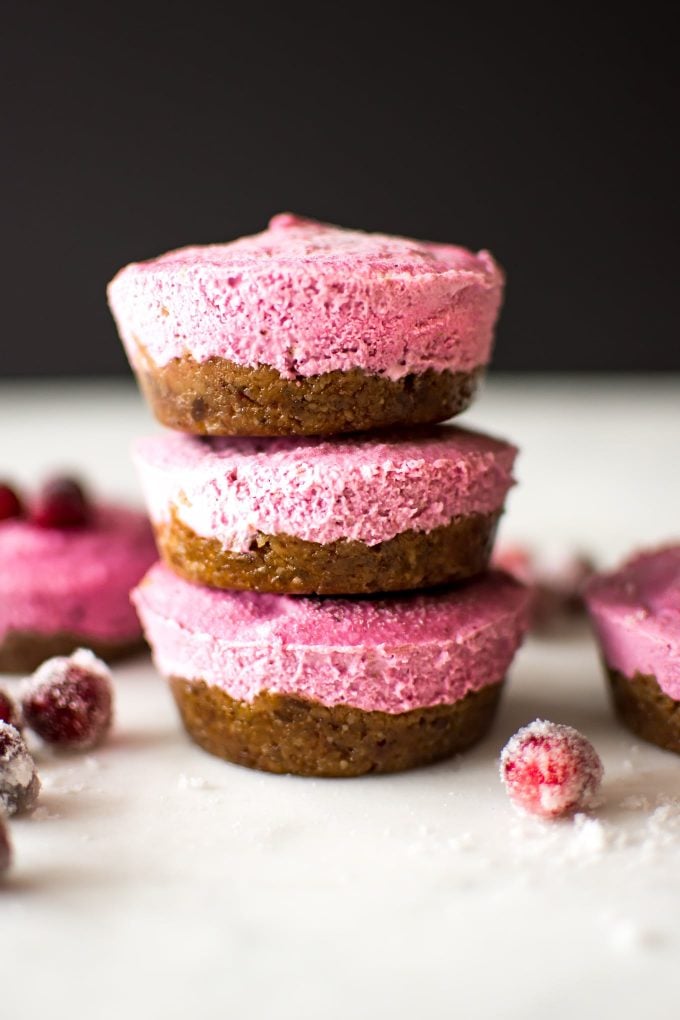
(549, 769)
(5, 845)
(19, 783)
(10, 504)
(69, 701)
(9, 710)
(61, 504)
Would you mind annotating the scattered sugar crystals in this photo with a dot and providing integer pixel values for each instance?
(192, 782)
(582, 840)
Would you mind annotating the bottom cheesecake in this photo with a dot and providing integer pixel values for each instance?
(333, 687)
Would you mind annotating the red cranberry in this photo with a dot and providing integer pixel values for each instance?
(549, 769)
(9, 710)
(61, 504)
(69, 701)
(10, 504)
(19, 783)
(5, 846)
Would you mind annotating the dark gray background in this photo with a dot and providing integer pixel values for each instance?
(551, 142)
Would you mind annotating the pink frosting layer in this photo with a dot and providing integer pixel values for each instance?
(636, 615)
(389, 655)
(369, 489)
(74, 579)
(307, 298)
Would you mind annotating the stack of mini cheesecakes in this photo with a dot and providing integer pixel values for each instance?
(323, 605)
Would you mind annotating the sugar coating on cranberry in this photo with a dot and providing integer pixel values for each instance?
(10, 504)
(19, 782)
(550, 769)
(69, 701)
(9, 710)
(61, 503)
(5, 845)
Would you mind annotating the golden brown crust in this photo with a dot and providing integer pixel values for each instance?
(220, 398)
(286, 564)
(22, 651)
(646, 710)
(285, 734)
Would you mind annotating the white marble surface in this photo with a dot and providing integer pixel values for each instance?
(156, 881)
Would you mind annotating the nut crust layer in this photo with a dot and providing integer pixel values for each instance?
(646, 710)
(217, 397)
(285, 734)
(289, 565)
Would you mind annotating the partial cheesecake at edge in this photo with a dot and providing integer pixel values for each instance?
(357, 515)
(333, 687)
(62, 588)
(308, 329)
(635, 612)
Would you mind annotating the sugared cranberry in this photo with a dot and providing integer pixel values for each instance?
(9, 710)
(5, 845)
(549, 769)
(10, 504)
(61, 504)
(19, 783)
(69, 701)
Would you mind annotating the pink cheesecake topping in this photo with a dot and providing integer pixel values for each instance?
(369, 489)
(387, 655)
(308, 298)
(74, 579)
(636, 615)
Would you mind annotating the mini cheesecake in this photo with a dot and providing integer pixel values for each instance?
(308, 329)
(333, 687)
(305, 516)
(66, 587)
(635, 612)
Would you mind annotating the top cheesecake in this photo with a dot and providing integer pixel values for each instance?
(636, 615)
(307, 298)
(308, 329)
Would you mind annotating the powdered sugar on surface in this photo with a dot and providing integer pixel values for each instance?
(422, 894)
